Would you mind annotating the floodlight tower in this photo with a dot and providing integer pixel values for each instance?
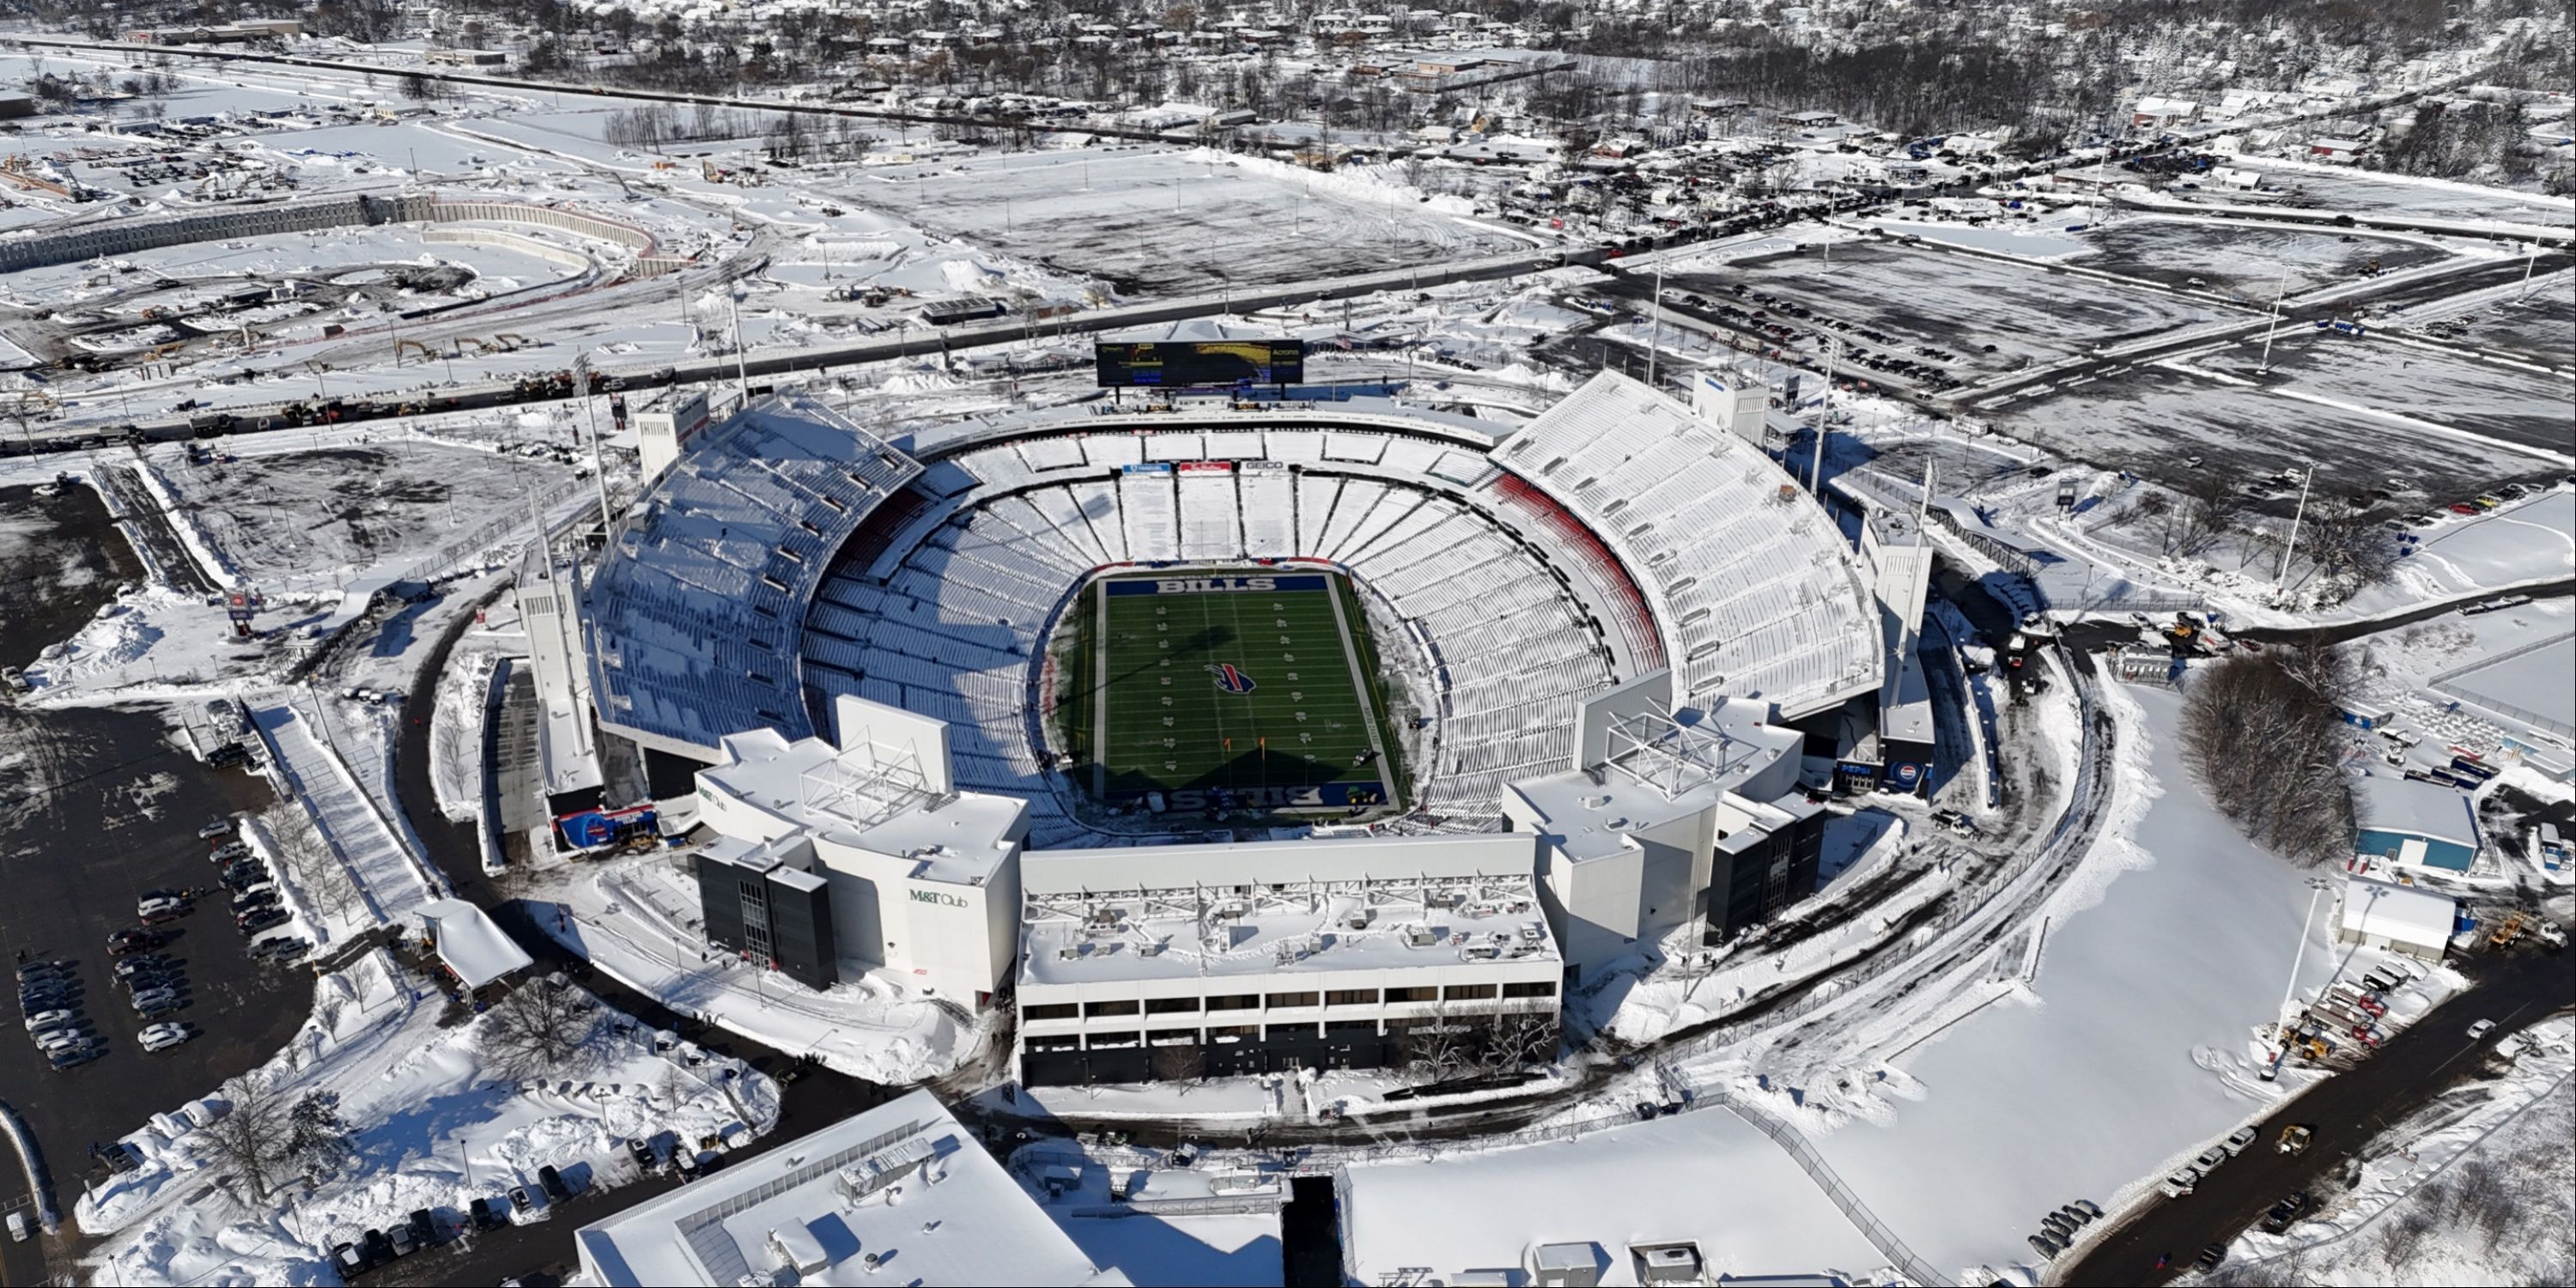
(1825, 414)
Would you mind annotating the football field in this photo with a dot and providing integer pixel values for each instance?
(1232, 692)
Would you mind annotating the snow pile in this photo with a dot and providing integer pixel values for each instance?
(432, 1125)
(456, 733)
(2478, 1188)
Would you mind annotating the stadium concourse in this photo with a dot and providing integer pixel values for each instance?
(1621, 591)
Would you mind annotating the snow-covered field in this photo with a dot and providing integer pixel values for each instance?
(432, 1125)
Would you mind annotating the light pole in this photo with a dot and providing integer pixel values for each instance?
(2530, 260)
(2306, 477)
(1825, 414)
(741, 371)
(2279, 290)
(1655, 324)
(2317, 886)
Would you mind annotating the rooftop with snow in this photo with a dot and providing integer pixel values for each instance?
(898, 1194)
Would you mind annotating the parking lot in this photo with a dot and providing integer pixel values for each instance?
(102, 807)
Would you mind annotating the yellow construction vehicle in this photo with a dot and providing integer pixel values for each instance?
(2507, 933)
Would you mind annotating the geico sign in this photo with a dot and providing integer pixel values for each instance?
(1189, 585)
(943, 900)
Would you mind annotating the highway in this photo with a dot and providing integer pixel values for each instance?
(2348, 1111)
(823, 357)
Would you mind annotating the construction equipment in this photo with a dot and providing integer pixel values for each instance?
(2507, 933)
(2295, 1138)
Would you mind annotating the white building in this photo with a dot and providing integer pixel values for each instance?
(549, 597)
(1183, 960)
(2378, 914)
(898, 1194)
(903, 872)
(1665, 818)
(665, 425)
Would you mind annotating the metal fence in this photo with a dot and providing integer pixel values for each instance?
(2442, 683)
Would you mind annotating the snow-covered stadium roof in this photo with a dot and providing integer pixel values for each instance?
(1755, 591)
(700, 600)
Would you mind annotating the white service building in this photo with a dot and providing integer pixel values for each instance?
(898, 1194)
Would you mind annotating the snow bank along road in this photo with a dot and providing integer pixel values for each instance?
(2515, 989)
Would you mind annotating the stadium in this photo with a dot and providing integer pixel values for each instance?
(1223, 622)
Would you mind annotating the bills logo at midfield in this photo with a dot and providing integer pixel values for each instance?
(1229, 679)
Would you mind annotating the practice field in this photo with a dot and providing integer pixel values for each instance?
(1248, 691)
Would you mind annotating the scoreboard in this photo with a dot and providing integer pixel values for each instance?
(1176, 365)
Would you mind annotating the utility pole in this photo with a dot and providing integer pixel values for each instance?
(2306, 478)
(2530, 260)
(1655, 324)
(2280, 290)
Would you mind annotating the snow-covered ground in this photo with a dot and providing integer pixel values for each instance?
(2477, 1188)
(1706, 1176)
(636, 919)
(432, 1125)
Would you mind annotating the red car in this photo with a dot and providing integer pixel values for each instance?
(2464, 507)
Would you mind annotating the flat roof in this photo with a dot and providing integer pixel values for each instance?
(956, 836)
(2389, 803)
(1706, 761)
(2399, 912)
(960, 1219)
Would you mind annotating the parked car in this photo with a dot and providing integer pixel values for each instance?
(520, 1203)
(43, 1020)
(553, 1181)
(221, 827)
(377, 1247)
(641, 1150)
(162, 1037)
(2239, 1139)
(54, 1041)
(2285, 1213)
(158, 910)
(257, 920)
(2210, 1158)
(401, 1238)
(2481, 1029)
(2181, 1183)
(348, 1260)
(149, 1000)
(132, 939)
(140, 964)
(424, 1228)
(2210, 1256)
(75, 1057)
(487, 1214)
(229, 851)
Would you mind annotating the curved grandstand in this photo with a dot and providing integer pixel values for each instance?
(1507, 577)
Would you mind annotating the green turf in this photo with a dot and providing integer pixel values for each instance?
(1157, 718)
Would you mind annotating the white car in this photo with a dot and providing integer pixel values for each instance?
(162, 1037)
(2481, 1029)
(2181, 1183)
(156, 999)
(2209, 1159)
(53, 1040)
(163, 906)
(2238, 1140)
(42, 1020)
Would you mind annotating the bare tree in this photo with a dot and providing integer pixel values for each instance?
(2482, 1200)
(2349, 550)
(1180, 1062)
(2210, 506)
(252, 1139)
(541, 1028)
(1518, 1041)
(2262, 732)
(2399, 1238)
(310, 861)
(1438, 1049)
